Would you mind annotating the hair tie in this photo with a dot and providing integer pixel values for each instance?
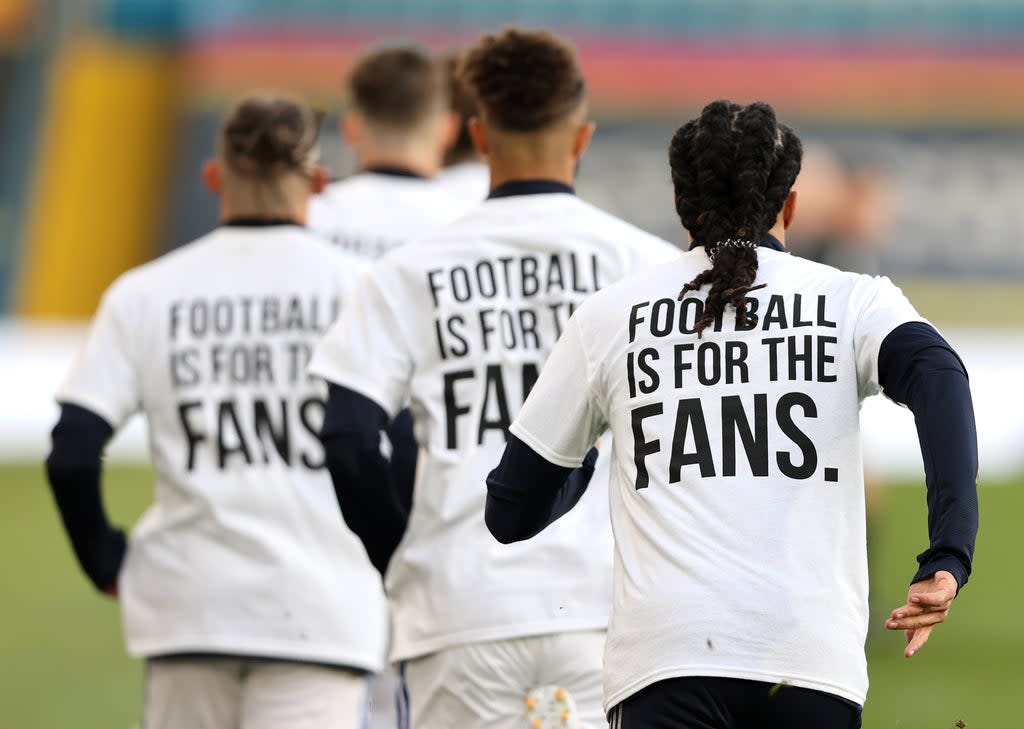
(730, 243)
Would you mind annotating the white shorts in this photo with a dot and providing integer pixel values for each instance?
(384, 697)
(485, 685)
(213, 692)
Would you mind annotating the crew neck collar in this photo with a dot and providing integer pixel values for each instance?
(530, 187)
(394, 171)
(247, 221)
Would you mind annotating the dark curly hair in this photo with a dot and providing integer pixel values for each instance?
(266, 136)
(732, 170)
(522, 80)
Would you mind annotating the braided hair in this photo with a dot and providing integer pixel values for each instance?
(732, 170)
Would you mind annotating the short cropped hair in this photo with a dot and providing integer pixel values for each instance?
(398, 86)
(523, 80)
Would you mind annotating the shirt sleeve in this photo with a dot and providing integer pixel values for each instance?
(104, 377)
(526, 493)
(886, 308)
(369, 330)
(560, 419)
(647, 251)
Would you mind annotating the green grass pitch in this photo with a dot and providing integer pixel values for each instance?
(62, 663)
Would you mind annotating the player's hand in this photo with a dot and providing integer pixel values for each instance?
(928, 603)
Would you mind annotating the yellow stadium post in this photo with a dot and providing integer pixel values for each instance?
(100, 183)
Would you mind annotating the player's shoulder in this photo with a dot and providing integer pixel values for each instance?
(620, 229)
(660, 280)
(797, 270)
(125, 291)
(412, 257)
(314, 244)
(374, 196)
(382, 186)
(291, 242)
(322, 256)
(149, 276)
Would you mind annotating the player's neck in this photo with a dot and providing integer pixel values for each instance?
(296, 213)
(420, 160)
(502, 172)
(778, 233)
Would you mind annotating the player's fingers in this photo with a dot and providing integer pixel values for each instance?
(911, 609)
(937, 598)
(914, 622)
(919, 638)
(907, 610)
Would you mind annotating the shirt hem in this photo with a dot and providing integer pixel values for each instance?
(94, 405)
(542, 450)
(779, 677)
(416, 649)
(356, 384)
(272, 650)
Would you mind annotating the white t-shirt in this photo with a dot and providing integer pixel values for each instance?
(244, 551)
(370, 213)
(467, 182)
(460, 322)
(737, 493)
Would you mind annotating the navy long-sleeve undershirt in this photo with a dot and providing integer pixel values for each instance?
(374, 492)
(526, 493)
(917, 368)
(74, 468)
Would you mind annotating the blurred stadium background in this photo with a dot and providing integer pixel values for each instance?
(914, 111)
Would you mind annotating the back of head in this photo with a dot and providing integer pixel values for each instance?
(268, 136)
(523, 81)
(732, 170)
(398, 89)
(463, 106)
(267, 150)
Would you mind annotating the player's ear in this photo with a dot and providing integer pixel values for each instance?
(789, 209)
(478, 134)
(581, 139)
(452, 122)
(212, 177)
(352, 128)
(319, 179)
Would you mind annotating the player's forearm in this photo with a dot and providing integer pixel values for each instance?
(944, 415)
(366, 496)
(364, 480)
(74, 470)
(404, 454)
(526, 493)
(918, 368)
